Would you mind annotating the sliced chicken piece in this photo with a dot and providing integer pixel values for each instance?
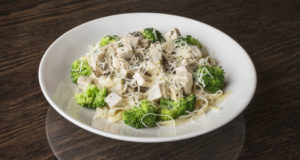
(100, 81)
(117, 87)
(195, 51)
(155, 92)
(133, 41)
(188, 53)
(185, 79)
(96, 58)
(168, 47)
(155, 52)
(113, 99)
(83, 82)
(140, 79)
(172, 34)
(125, 52)
(145, 43)
(184, 52)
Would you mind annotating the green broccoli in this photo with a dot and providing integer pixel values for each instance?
(92, 97)
(163, 102)
(107, 39)
(181, 41)
(193, 41)
(211, 78)
(179, 107)
(190, 102)
(152, 34)
(166, 114)
(141, 117)
(166, 105)
(80, 68)
(174, 109)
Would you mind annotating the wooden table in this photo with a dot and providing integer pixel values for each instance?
(267, 129)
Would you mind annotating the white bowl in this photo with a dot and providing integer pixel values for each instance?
(54, 75)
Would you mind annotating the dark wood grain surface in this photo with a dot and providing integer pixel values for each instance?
(268, 129)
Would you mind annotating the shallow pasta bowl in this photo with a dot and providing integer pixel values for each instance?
(56, 84)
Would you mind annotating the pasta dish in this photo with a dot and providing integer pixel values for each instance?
(147, 78)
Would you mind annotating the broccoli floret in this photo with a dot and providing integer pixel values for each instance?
(173, 109)
(181, 41)
(179, 107)
(107, 39)
(166, 114)
(166, 105)
(80, 68)
(211, 78)
(193, 41)
(136, 116)
(133, 116)
(190, 102)
(152, 34)
(92, 97)
(163, 102)
(147, 106)
(176, 108)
